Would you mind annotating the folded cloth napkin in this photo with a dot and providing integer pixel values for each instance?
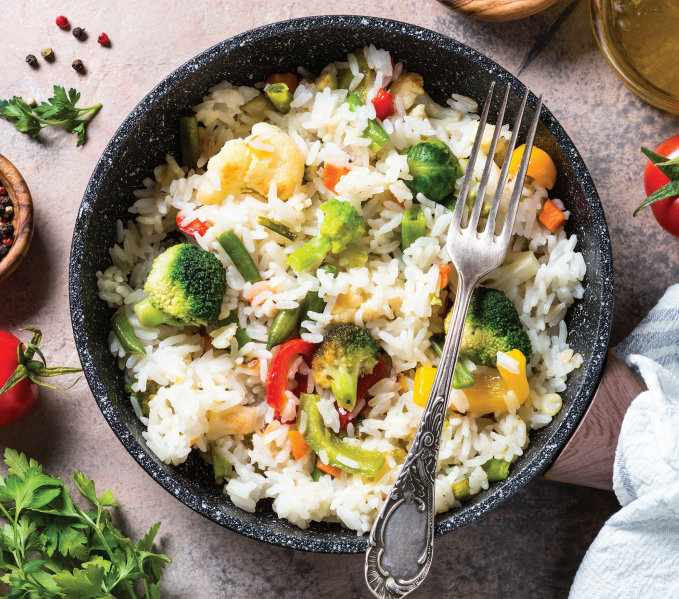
(636, 553)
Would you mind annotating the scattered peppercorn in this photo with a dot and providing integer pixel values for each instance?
(3, 191)
(6, 230)
(78, 31)
(62, 21)
(4, 202)
(9, 210)
(47, 53)
(8, 241)
(103, 39)
(4, 250)
(31, 60)
(31, 102)
(78, 64)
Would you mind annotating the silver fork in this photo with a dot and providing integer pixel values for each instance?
(401, 544)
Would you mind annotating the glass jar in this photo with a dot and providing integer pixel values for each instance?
(640, 39)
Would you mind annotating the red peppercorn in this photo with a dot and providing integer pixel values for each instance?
(8, 241)
(62, 21)
(3, 191)
(103, 39)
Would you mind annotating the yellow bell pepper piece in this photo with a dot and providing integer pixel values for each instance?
(424, 381)
(541, 167)
(489, 391)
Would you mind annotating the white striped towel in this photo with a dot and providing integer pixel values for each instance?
(636, 553)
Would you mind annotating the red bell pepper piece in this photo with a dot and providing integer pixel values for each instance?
(383, 103)
(277, 381)
(195, 226)
(364, 383)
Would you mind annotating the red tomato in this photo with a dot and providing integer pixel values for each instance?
(16, 403)
(666, 211)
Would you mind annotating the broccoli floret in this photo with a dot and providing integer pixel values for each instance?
(492, 325)
(434, 169)
(346, 353)
(143, 397)
(185, 286)
(341, 226)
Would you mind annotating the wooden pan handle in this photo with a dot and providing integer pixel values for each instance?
(498, 10)
(587, 459)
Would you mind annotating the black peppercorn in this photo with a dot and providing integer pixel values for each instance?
(4, 202)
(4, 250)
(31, 60)
(78, 64)
(78, 31)
(6, 230)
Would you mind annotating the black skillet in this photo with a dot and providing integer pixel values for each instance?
(447, 67)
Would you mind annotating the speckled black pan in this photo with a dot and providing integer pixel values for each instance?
(151, 131)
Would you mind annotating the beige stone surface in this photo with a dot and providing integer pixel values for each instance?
(531, 546)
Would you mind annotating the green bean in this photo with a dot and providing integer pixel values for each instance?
(189, 140)
(496, 469)
(122, 327)
(377, 135)
(240, 256)
(276, 227)
(221, 466)
(412, 227)
(286, 321)
(346, 76)
(314, 303)
(353, 101)
(317, 474)
(280, 97)
(325, 80)
(462, 491)
(463, 378)
(242, 338)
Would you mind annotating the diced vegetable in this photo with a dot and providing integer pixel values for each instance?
(327, 469)
(517, 382)
(399, 454)
(242, 338)
(239, 420)
(280, 97)
(462, 491)
(277, 381)
(318, 473)
(541, 167)
(123, 329)
(424, 381)
(195, 227)
(496, 469)
(222, 467)
(241, 257)
(276, 227)
(463, 378)
(290, 79)
(354, 101)
(412, 227)
(326, 80)
(346, 76)
(297, 444)
(377, 135)
(383, 103)
(444, 275)
(552, 217)
(189, 141)
(353, 256)
(354, 460)
(331, 176)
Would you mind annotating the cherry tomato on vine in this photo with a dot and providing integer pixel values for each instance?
(666, 210)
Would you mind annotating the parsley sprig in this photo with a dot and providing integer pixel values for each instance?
(59, 111)
(82, 555)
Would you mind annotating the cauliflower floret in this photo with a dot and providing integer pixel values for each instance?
(242, 168)
(346, 306)
(407, 87)
(418, 112)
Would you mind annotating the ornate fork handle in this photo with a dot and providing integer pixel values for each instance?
(401, 544)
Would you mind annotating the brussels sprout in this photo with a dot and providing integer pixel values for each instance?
(434, 169)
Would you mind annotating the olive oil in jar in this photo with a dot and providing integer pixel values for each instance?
(640, 38)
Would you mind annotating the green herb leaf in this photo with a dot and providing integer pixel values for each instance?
(18, 463)
(60, 110)
(669, 168)
(667, 191)
(82, 584)
(86, 488)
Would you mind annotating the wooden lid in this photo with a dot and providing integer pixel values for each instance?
(22, 219)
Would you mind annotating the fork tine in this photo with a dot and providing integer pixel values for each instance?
(474, 218)
(503, 239)
(490, 226)
(464, 189)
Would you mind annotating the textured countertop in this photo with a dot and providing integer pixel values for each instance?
(529, 547)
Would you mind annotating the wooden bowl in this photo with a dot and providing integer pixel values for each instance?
(22, 219)
(498, 10)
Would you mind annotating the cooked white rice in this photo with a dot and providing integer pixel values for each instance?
(390, 296)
